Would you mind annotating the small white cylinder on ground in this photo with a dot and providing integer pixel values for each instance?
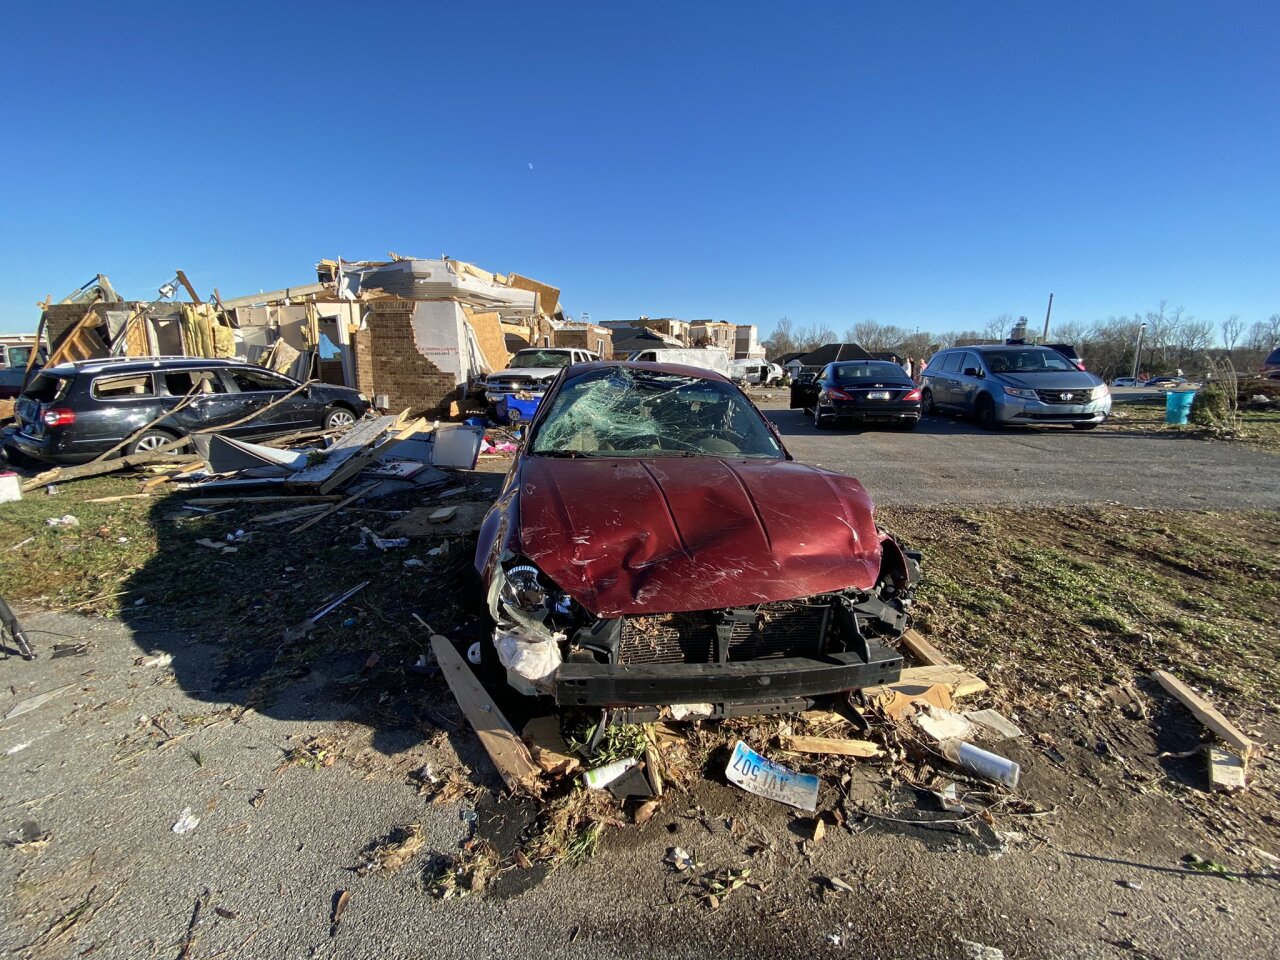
(982, 762)
(603, 776)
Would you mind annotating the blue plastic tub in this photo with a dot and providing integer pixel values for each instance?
(513, 410)
(1177, 405)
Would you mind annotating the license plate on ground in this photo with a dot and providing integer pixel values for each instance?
(765, 778)
(877, 394)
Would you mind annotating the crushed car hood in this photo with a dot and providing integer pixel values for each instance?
(666, 535)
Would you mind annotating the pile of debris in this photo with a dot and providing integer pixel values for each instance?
(902, 755)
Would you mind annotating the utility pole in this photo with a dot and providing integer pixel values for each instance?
(1045, 338)
(1137, 350)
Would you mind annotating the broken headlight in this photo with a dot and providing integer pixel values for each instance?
(521, 589)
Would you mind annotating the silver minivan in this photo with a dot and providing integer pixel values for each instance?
(1009, 383)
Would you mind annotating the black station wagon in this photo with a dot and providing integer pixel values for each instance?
(72, 412)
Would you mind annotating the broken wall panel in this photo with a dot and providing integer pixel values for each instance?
(389, 360)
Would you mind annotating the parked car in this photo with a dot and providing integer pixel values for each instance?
(756, 372)
(863, 391)
(1068, 351)
(532, 370)
(1166, 383)
(1001, 384)
(1126, 382)
(72, 412)
(1271, 365)
(705, 358)
(654, 545)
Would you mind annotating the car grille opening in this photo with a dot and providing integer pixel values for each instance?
(1064, 396)
(789, 628)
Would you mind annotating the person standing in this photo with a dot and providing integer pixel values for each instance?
(906, 365)
(919, 369)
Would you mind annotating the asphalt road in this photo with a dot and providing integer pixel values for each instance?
(947, 461)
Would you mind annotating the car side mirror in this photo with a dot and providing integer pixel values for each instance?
(972, 372)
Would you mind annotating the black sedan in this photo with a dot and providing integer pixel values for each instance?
(863, 391)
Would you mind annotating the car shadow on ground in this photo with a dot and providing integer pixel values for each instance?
(229, 621)
(797, 423)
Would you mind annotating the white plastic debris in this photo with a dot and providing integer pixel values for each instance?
(682, 711)
(982, 762)
(534, 658)
(67, 520)
(679, 859)
(414, 562)
(995, 724)
(186, 822)
(601, 777)
(943, 724)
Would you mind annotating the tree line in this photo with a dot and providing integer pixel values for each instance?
(1171, 340)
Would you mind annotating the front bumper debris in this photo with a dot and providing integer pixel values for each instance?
(583, 684)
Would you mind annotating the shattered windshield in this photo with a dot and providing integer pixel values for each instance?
(539, 358)
(628, 412)
(1032, 360)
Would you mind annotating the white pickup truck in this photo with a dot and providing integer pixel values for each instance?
(533, 370)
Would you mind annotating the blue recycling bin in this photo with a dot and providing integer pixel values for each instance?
(1177, 406)
(513, 410)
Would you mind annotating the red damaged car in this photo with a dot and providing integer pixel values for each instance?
(655, 549)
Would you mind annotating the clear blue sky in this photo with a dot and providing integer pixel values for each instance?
(930, 164)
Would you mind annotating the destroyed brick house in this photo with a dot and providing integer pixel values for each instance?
(739, 341)
(419, 332)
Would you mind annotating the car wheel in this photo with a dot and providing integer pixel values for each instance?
(818, 421)
(338, 418)
(1085, 426)
(926, 403)
(149, 441)
(984, 412)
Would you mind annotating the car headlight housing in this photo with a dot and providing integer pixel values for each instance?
(1100, 391)
(1024, 392)
(363, 397)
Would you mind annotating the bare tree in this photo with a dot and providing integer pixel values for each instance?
(999, 328)
(1232, 327)
(782, 340)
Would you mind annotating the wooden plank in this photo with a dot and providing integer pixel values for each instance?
(354, 441)
(838, 746)
(282, 498)
(182, 279)
(1206, 713)
(364, 459)
(924, 651)
(961, 682)
(1227, 772)
(505, 749)
(356, 495)
(98, 467)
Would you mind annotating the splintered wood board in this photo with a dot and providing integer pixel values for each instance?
(923, 650)
(961, 682)
(362, 435)
(505, 749)
(1206, 713)
(833, 745)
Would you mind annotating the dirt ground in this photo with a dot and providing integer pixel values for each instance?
(300, 759)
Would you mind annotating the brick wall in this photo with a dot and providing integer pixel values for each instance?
(586, 339)
(388, 361)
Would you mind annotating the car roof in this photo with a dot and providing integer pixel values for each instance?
(985, 347)
(681, 369)
(135, 364)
